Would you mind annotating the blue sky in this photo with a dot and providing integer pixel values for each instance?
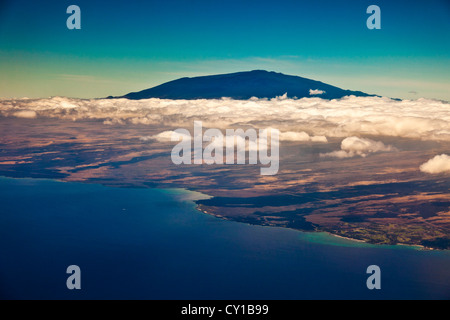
(130, 45)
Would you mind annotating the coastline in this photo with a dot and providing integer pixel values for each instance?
(184, 194)
(355, 241)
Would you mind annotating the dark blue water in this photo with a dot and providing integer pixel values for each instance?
(153, 244)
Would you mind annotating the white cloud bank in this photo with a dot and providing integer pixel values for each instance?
(354, 146)
(438, 164)
(167, 136)
(296, 118)
(231, 139)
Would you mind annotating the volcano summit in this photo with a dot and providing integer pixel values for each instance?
(243, 86)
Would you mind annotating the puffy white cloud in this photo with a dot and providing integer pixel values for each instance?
(354, 146)
(363, 145)
(350, 116)
(294, 136)
(438, 164)
(278, 98)
(315, 92)
(301, 136)
(25, 114)
(166, 136)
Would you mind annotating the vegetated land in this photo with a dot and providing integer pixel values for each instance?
(412, 220)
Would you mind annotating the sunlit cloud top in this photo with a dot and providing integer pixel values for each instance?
(306, 119)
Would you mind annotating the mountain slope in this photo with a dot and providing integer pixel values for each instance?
(242, 85)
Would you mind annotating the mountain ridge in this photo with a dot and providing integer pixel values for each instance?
(242, 86)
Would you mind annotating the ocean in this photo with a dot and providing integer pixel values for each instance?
(135, 243)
